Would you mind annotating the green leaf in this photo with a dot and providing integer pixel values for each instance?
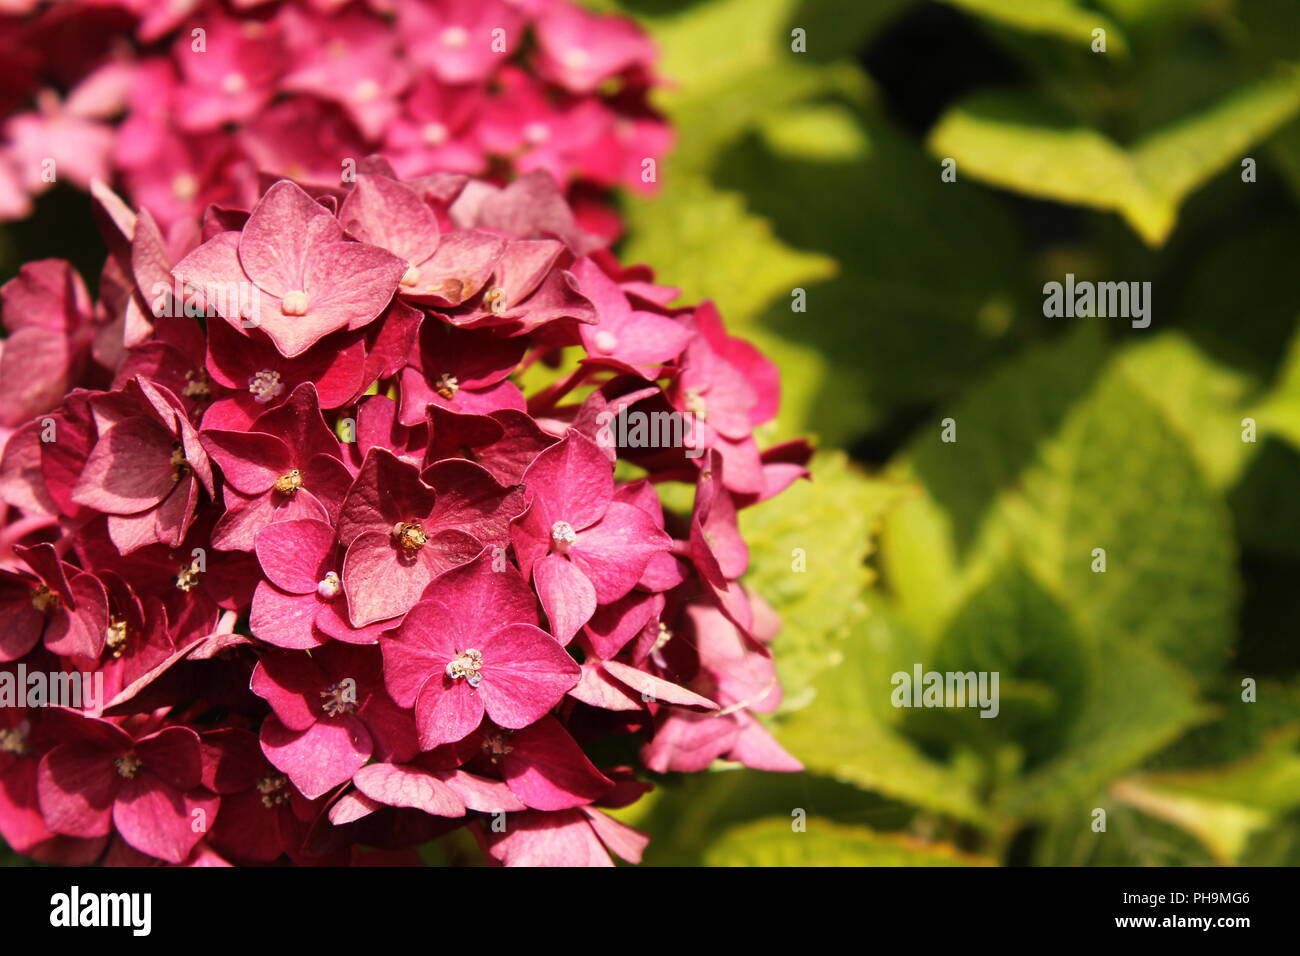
(1137, 703)
(1223, 807)
(1279, 411)
(1052, 463)
(1014, 627)
(999, 429)
(1119, 478)
(772, 842)
(808, 556)
(686, 813)
(726, 62)
(845, 734)
(1061, 18)
(1203, 398)
(1019, 144)
(704, 241)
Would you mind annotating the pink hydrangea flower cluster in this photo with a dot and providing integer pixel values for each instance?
(187, 103)
(338, 497)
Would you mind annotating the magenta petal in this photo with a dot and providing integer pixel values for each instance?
(319, 758)
(616, 623)
(247, 515)
(688, 742)
(351, 807)
(389, 214)
(614, 552)
(624, 841)
(129, 469)
(564, 838)
(380, 582)
(332, 621)
(287, 682)
(251, 461)
(430, 636)
(76, 784)
(499, 597)
(481, 793)
(547, 769)
(597, 688)
(80, 633)
(296, 555)
(285, 228)
(172, 755)
(756, 748)
(350, 284)
(574, 480)
(446, 711)
(567, 596)
(524, 674)
(405, 786)
(156, 818)
(655, 688)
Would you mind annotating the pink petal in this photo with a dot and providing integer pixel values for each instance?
(524, 674)
(573, 479)
(389, 214)
(446, 711)
(319, 758)
(296, 555)
(566, 595)
(76, 784)
(547, 770)
(156, 818)
(251, 461)
(405, 786)
(129, 470)
(656, 688)
(614, 552)
(381, 582)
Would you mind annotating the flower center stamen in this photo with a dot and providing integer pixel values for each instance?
(274, 791)
(265, 385)
(128, 765)
(339, 699)
(447, 385)
(696, 405)
(197, 385)
(495, 300)
(294, 303)
(187, 578)
(665, 635)
(185, 186)
(411, 276)
(289, 482)
(13, 740)
(115, 636)
(329, 586)
(455, 37)
(180, 465)
(44, 600)
(466, 664)
(495, 746)
(410, 535)
(563, 537)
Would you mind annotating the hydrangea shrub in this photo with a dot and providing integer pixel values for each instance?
(198, 101)
(352, 501)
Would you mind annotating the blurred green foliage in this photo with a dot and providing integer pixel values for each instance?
(1120, 691)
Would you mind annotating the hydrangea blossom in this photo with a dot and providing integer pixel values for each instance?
(375, 560)
(187, 104)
